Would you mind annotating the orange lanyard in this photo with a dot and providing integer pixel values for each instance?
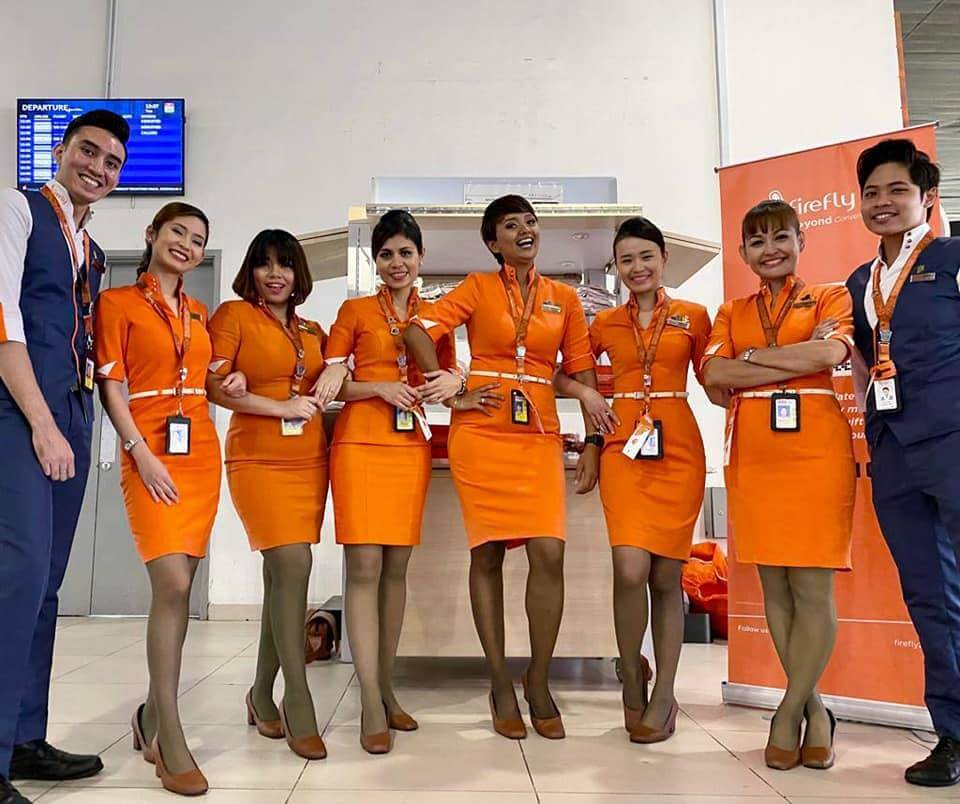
(180, 346)
(521, 320)
(292, 333)
(396, 326)
(882, 334)
(647, 354)
(772, 329)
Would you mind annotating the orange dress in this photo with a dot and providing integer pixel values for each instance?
(791, 494)
(653, 504)
(509, 477)
(278, 483)
(133, 341)
(378, 476)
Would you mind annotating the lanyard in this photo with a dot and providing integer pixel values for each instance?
(647, 354)
(882, 334)
(180, 345)
(292, 333)
(771, 330)
(396, 326)
(521, 320)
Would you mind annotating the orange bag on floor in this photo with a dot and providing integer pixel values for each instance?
(705, 582)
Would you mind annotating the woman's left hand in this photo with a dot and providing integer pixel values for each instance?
(485, 399)
(234, 384)
(328, 385)
(440, 386)
(588, 469)
(601, 414)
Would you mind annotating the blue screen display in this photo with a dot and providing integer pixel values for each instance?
(154, 163)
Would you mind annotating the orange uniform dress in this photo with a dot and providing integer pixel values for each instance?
(791, 494)
(134, 342)
(379, 476)
(509, 477)
(278, 483)
(653, 504)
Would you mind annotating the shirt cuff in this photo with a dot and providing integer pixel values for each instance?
(11, 326)
(579, 363)
(112, 370)
(333, 361)
(220, 366)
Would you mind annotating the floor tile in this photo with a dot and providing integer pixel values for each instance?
(443, 757)
(638, 798)
(86, 738)
(94, 703)
(410, 797)
(78, 642)
(132, 669)
(63, 664)
(159, 796)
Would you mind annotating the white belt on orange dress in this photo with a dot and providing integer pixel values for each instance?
(652, 395)
(167, 392)
(515, 377)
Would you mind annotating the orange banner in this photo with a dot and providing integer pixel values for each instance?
(877, 655)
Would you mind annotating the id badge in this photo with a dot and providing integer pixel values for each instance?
(638, 438)
(403, 420)
(785, 413)
(178, 435)
(886, 395)
(292, 427)
(88, 373)
(424, 427)
(519, 407)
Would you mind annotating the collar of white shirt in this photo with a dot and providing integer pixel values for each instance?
(67, 204)
(911, 240)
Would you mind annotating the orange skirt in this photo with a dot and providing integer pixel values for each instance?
(511, 485)
(279, 503)
(379, 493)
(160, 529)
(654, 504)
(791, 495)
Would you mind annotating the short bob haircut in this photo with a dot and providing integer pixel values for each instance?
(104, 119)
(769, 216)
(641, 228)
(167, 213)
(393, 223)
(924, 173)
(287, 251)
(496, 211)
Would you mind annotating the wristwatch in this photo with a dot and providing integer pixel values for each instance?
(130, 443)
(594, 438)
(748, 354)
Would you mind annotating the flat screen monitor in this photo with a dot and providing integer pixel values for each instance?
(155, 153)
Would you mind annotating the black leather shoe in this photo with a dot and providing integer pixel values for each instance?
(10, 795)
(40, 760)
(940, 769)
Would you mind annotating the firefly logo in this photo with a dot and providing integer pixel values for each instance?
(827, 202)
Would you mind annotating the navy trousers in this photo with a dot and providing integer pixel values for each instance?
(38, 518)
(916, 494)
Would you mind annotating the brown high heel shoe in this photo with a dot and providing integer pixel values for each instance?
(645, 734)
(311, 747)
(191, 783)
(139, 741)
(268, 728)
(512, 728)
(781, 758)
(819, 757)
(378, 743)
(549, 727)
(631, 717)
(401, 721)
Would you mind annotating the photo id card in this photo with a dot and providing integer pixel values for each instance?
(88, 373)
(886, 395)
(519, 407)
(646, 441)
(403, 420)
(178, 435)
(785, 413)
(292, 427)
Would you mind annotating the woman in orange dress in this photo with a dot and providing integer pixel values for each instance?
(380, 467)
(652, 469)
(276, 458)
(789, 461)
(154, 337)
(508, 467)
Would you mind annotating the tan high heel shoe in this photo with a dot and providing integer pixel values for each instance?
(512, 728)
(139, 741)
(781, 758)
(646, 734)
(379, 743)
(311, 747)
(401, 721)
(819, 757)
(191, 783)
(631, 717)
(268, 728)
(549, 727)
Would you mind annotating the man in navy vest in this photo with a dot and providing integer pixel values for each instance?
(49, 276)
(906, 305)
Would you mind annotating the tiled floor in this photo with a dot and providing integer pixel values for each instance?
(716, 755)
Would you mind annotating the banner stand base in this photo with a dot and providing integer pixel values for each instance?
(857, 709)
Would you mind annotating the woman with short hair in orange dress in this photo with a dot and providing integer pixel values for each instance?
(154, 337)
(652, 469)
(276, 458)
(508, 467)
(380, 466)
(789, 459)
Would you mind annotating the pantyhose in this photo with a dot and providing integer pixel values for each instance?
(376, 596)
(802, 619)
(286, 573)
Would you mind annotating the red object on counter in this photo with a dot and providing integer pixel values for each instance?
(438, 442)
(705, 582)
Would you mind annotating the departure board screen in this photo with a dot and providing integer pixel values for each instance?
(155, 151)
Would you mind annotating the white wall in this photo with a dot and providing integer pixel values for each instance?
(293, 107)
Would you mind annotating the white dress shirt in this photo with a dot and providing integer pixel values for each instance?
(16, 224)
